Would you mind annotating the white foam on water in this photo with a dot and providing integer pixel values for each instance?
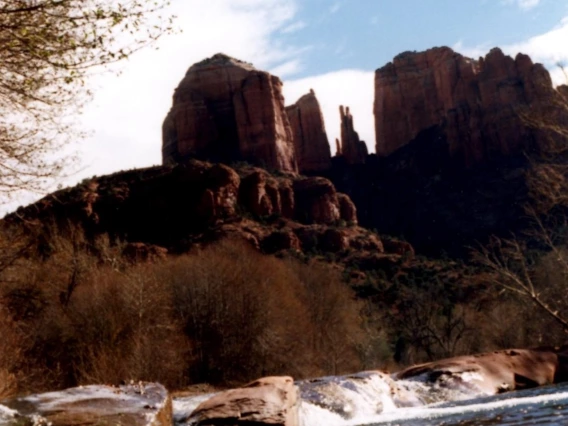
(184, 406)
(447, 388)
(6, 413)
(334, 400)
(433, 412)
(313, 415)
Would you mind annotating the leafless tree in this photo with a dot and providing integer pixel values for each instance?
(48, 50)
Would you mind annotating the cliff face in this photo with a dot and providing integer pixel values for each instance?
(226, 110)
(475, 104)
(310, 138)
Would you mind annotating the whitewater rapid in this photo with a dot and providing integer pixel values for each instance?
(374, 398)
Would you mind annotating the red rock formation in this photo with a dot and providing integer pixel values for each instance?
(475, 103)
(219, 200)
(284, 239)
(347, 209)
(401, 248)
(316, 201)
(310, 139)
(352, 148)
(226, 110)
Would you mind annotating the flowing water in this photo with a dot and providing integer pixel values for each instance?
(372, 398)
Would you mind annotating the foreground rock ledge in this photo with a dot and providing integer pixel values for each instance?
(495, 372)
(267, 401)
(144, 404)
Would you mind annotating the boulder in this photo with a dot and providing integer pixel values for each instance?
(347, 209)
(310, 138)
(351, 148)
(267, 401)
(494, 372)
(219, 200)
(143, 404)
(477, 105)
(399, 247)
(226, 110)
(254, 197)
(284, 239)
(316, 201)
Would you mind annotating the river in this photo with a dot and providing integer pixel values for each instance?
(362, 403)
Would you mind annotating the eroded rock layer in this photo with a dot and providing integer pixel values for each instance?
(168, 209)
(477, 105)
(226, 110)
(310, 138)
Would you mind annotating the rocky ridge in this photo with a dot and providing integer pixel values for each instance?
(171, 208)
(477, 104)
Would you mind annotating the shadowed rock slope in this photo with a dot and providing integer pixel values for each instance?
(169, 209)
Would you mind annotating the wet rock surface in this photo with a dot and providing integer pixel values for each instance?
(144, 404)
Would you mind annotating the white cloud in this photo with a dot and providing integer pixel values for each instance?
(353, 88)
(287, 68)
(524, 4)
(294, 27)
(127, 111)
(549, 48)
(335, 7)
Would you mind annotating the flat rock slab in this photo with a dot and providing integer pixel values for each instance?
(144, 404)
(268, 401)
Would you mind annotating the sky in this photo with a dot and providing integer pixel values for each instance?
(332, 46)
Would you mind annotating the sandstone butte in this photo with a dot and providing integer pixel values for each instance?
(477, 104)
(351, 147)
(226, 110)
(310, 138)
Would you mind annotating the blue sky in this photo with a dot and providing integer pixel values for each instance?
(366, 34)
(332, 46)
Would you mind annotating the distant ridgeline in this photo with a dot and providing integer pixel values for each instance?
(451, 138)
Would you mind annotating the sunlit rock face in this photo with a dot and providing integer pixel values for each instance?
(310, 138)
(226, 110)
(477, 104)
